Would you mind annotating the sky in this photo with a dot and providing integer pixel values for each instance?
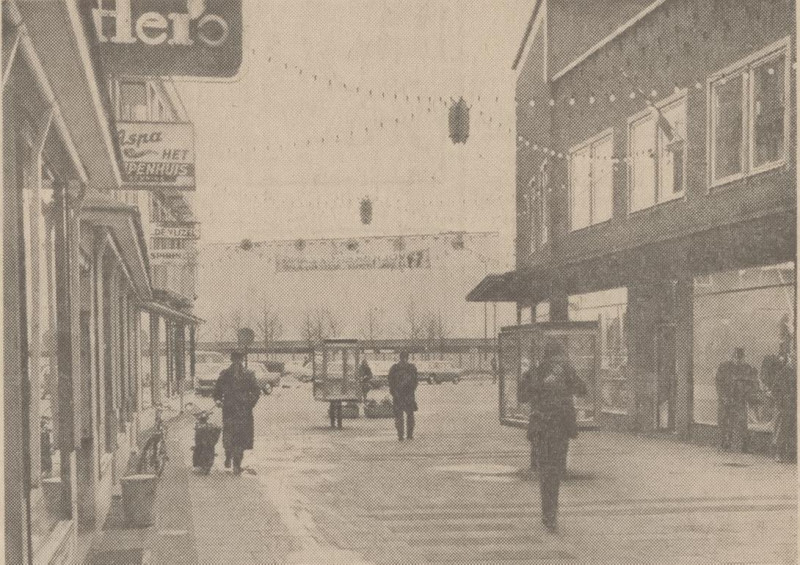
(263, 169)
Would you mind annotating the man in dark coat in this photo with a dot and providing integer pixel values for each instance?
(736, 380)
(403, 382)
(553, 423)
(237, 392)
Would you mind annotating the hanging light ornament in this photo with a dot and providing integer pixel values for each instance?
(365, 209)
(459, 121)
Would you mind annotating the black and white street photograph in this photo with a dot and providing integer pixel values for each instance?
(364, 282)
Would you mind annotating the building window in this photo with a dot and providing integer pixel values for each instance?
(656, 150)
(591, 181)
(540, 207)
(749, 115)
(609, 307)
(141, 101)
(750, 308)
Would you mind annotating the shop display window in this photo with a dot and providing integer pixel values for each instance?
(609, 307)
(750, 308)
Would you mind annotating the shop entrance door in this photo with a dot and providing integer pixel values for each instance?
(665, 377)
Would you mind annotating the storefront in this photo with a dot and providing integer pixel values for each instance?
(752, 308)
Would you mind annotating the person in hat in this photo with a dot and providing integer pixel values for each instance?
(551, 389)
(403, 380)
(735, 380)
(237, 392)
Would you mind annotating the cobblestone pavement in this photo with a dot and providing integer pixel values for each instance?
(461, 492)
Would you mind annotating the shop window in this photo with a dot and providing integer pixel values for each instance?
(750, 308)
(609, 308)
(656, 146)
(591, 182)
(749, 115)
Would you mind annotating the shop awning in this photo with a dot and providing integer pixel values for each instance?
(55, 30)
(124, 223)
(171, 313)
(513, 286)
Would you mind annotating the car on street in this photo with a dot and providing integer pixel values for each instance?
(267, 379)
(438, 372)
(206, 375)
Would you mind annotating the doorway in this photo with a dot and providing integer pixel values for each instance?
(665, 377)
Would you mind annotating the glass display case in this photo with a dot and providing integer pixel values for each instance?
(521, 349)
(336, 370)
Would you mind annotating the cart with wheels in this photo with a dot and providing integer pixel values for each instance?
(337, 378)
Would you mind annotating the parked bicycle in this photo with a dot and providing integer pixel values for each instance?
(153, 457)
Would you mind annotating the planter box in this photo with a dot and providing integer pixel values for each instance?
(379, 411)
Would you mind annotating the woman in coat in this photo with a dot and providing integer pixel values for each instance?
(553, 423)
(237, 392)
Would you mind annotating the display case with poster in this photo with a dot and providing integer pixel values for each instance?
(521, 349)
(336, 371)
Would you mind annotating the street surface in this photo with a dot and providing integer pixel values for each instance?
(461, 492)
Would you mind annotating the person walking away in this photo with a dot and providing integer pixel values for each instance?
(735, 381)
(365, 374)
(403, 380)
(524, 397)
(554, 422)
(785, 395)
(237, 392)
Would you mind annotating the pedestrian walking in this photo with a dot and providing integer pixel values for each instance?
(237, 392)
(736, 383)
(553, 423)
(403, 380)
(365, 374)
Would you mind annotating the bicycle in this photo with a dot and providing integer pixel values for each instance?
(154, 453)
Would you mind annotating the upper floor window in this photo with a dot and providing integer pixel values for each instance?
(141, 101)
(591, 194)
(540, 206)
(656, 151)
(748, 114)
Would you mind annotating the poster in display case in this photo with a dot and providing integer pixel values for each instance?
(336, 371)
(521, 349)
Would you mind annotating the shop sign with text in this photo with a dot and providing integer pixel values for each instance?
(157, 155)
(192, 38)
(172, 230)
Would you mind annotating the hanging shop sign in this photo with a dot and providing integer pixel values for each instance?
(157, 155)
(162, 256)
(396, 261)
(192, 38)
(176, 230)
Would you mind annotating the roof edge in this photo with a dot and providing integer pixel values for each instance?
(527, 36)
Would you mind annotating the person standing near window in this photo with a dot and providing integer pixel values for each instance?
(735, 381)
(553, 423)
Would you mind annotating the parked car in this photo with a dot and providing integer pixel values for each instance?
(438, 372)
(267, 380)
(206, 375)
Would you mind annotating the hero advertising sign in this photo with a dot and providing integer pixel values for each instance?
(192, 38)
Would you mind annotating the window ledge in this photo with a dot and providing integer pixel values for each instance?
(660, 205)
(725, 184)
(595, 226)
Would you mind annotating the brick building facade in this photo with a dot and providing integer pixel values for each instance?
(656, 193)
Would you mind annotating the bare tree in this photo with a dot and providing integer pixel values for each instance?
(318, 324)
(415, 321)
(372, 326)
(333, 326)
(219, 328)
(269, 326)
